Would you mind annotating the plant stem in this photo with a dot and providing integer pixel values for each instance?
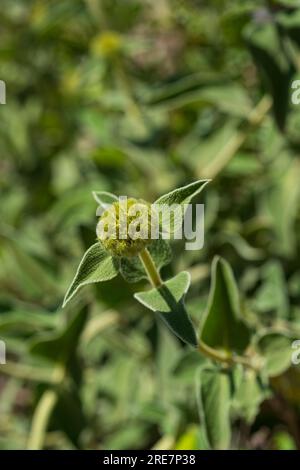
(43, 412)
(150, 268)
(40, 420)
(213, 354)
(226, 358)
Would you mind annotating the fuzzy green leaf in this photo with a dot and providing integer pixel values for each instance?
(222, 327)
(104, 199)
(213, 397)
(96, 266)
(167, 301)
(157, 300)
(182, 195)
(132, 269)
(276, 349)
(179, 196)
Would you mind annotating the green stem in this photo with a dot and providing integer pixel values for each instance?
(150, 268)
(40, 420)
(43, 411)
(228, 358)
(213, 354)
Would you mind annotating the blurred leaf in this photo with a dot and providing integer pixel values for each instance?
(266, 46)
(234, 20)
(187, 363)
(282, 203)
(272, 295)
(230, 99)
(109, 157)
(26, 322)
(284, 441)
(243, 248)
(276, 349)
(189, 440)
(167, 353)
(61, 346)
(214, 394)
(74, 207)
(288, 3)
(28, 268)
(249, 395)
(222, 326)
(69, 415)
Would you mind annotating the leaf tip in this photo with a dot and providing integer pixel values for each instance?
(95, 196)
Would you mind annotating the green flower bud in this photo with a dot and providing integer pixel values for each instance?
(126, 227)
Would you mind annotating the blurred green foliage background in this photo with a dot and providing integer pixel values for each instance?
(138, 97)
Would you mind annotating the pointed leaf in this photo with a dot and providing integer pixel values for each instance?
(167, 301)
(96, 266)
(182, 195)
(222, 326)
(157, 299)
(61, 346)
(213, 396)
(104, 199)
(132, 269)
(179, 197)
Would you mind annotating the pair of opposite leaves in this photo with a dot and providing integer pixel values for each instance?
(221, 326)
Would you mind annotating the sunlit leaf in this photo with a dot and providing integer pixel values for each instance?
(168, 302)
(96, 266)
(177, 200)
(182, 195)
